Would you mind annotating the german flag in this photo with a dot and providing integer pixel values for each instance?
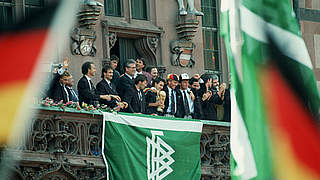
(24, 46)
(294, 127)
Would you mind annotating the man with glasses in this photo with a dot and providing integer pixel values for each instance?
(127, 80)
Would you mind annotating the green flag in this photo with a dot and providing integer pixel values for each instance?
(148, 147)
(247, 26)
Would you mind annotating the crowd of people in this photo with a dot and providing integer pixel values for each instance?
(139, 91)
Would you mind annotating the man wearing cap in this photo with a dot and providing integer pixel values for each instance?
(185, 98)
(171, 100)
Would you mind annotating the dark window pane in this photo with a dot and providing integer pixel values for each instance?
(113, 7)
(32, 6)
(210, 17)
(210, 35)
(139, 9)
(211, 49)
(6, 15)
(5, 0)
(34, 2)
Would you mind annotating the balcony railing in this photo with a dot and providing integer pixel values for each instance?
(66, 144)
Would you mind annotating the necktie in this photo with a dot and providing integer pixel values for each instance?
(91, 85)
(110, 85)
(186, 104)
(140, 96)
(141, 104)
(67, 93)
(173, 103)
(70, 94)
(74, 96)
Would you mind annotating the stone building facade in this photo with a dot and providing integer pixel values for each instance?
(154, 30)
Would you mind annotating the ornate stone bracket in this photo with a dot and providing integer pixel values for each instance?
(182, 53)
(84, 36)
(112, 38)
(187, 27)
(147, 47)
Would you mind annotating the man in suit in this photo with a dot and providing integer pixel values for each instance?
(59, 90)
(126, 81)
(73, 94)
(87, 91)
(135, 96)
(171, 95)
(114, 60)
(105, 86)
(185, 98)
(141, 64)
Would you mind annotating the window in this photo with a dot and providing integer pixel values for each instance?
(113, 7)
(6, 12)
(210, 34)
(139, 9)
(32, 5)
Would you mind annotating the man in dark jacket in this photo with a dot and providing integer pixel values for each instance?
(87, 91)
(105, 86)
(135, 96)
(126, 82)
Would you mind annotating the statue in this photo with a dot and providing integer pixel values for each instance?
(161, 98)
(191, 9)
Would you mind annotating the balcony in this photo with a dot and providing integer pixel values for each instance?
(66, 144)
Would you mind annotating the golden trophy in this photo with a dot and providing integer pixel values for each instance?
(161, 98)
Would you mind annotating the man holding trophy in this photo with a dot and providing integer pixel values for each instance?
(155, 97)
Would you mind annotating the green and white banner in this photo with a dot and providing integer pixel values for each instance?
(145, 147)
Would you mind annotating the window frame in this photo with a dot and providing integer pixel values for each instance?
(120, 9)
(11, 5)
(147, 10)
(214, 28)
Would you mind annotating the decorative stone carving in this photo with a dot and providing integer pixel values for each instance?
(112, 38)
(187, 27)
(147, 47)
(89, 13)
(215, 153)
(182, 53)
(153, 42)
(191, 8)
(83, 42)
(84, 36)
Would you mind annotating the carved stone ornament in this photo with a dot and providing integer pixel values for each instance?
(112, 37)
(182, 53)
(88, 14)
(83, 42)
(147, 47)
(187, 27)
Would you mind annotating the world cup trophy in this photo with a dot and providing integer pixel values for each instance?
(161, 99)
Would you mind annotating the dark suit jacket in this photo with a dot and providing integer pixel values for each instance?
(103, 88)
(209, 110)
(85, 94)
(151, 97)
(134, 104)
(125, 83)
(198, 112)
(115, 78)
(59, 94)
(180, 106)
